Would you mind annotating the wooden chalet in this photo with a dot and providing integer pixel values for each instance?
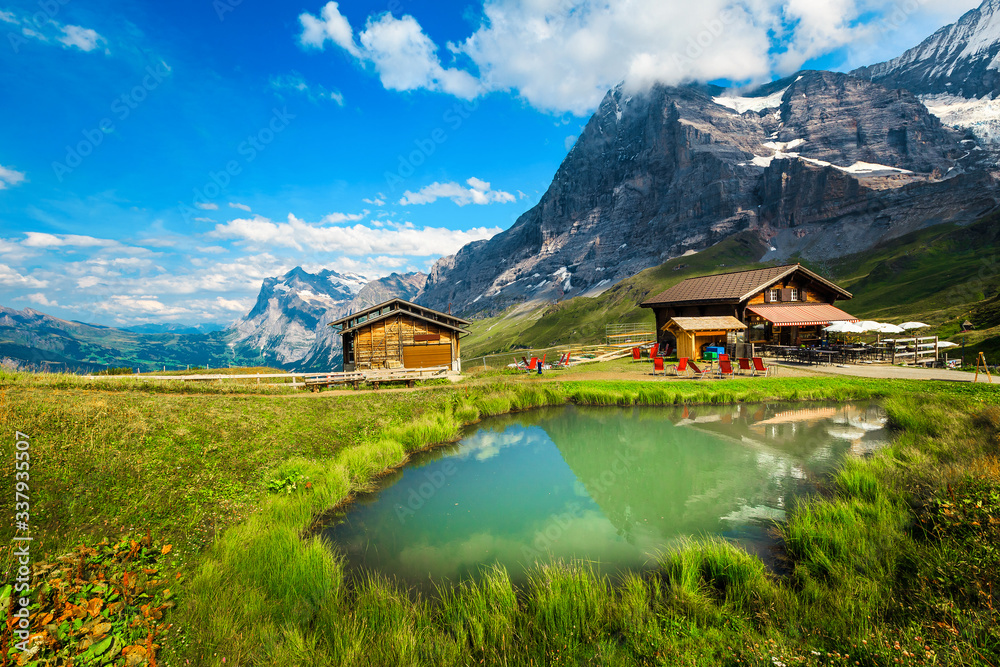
(781, 305)
(400, 334)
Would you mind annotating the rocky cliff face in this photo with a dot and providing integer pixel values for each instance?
(821, 164)
(288, 324)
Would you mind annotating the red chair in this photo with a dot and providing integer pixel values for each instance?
(682, 366)
(636, 353)
(533, 366)
(658, 366)
(725, 367)
(745, 365)
(654, 351)
(759, 367)
(698, 373)
(542, 362)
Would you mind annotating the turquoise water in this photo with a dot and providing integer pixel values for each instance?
(612, 486)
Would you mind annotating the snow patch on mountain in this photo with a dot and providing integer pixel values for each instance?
(743, 104)
(981, 116)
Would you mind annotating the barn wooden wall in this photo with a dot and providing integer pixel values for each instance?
(380, 344)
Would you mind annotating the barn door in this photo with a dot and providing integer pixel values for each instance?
(427, 356)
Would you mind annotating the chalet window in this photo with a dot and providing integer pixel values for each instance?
(772, 296)
(794, 294)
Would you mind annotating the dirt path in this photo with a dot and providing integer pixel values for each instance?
(886, 372)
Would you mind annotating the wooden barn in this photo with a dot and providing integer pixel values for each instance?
(786, 305)
(400, 334)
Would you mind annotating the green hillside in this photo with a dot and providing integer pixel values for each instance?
(581, 320)
(941, 275)
(44, 342)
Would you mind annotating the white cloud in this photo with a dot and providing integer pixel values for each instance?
(331, 25)
(42, 240)
(38, 298)
(11, 278)
(480, 192)
(9, 177)
(207, 206)
(404, 57)
(84, 39)
(376, 201)
(314, 92)
(242, 207)
(563, 55)
(204, 220)
(335, 218)
(212, 250)
(405, 239)
(41, 26)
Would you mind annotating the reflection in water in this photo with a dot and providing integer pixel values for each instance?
(613, 486)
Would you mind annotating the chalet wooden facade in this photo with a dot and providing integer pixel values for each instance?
(786, 305)
(400, 334)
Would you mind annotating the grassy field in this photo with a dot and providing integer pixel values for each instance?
(895, 565)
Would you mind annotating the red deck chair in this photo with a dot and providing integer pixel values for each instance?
(759, 367)
(533, 366)
(636, 353)
(527, 366)
(682, 366)
(667, 350)
(698, 373)
(654, 351)
(658, 366)
(725, 367)
(745, 365)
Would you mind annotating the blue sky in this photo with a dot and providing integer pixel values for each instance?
(161, 159)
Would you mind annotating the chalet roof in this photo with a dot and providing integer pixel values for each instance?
(733, 287)
(802, 315)
(723, 323)
(401, 306)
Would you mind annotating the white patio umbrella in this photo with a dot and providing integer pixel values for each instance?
(869, 325)
(890, 329)
(906, 326)
(843, 327)
(946, 343)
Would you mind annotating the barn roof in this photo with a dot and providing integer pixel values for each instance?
(722, 323)
(733, 287)
(396, 307)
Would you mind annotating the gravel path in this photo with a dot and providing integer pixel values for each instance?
(883, 371)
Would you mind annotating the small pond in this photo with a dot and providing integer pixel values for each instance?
(612, 486)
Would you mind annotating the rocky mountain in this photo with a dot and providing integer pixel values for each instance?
(955, 72)
(960, 59)
(820, 164)
(288, 324)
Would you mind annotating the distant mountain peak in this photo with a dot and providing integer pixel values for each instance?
(289, 321)
(961, 59)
